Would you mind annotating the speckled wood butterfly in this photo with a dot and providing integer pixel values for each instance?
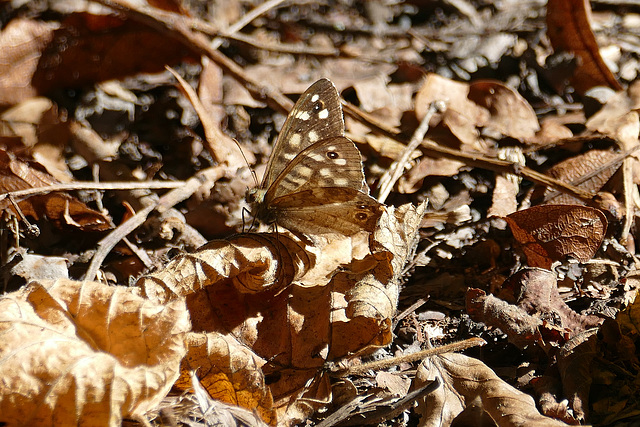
(314, 182)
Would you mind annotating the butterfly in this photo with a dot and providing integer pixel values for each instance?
(314, 182)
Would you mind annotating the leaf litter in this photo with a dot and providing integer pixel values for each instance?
(128, 163)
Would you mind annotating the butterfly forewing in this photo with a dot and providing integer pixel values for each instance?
(333, 162)
(317, 115)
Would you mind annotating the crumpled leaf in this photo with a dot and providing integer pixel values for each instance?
(37, 57)
(465, 381)
(531, 309)
(569, 30)
(511, 114)
(74, 353)
(551, 232)
(234, 378)
(60, 208)
(572, 170)
(293, 304)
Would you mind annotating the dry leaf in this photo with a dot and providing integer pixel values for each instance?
(292, 304)
(511, 114)
(462, 116)
(22, 42)
(574, 168)
(574, 364)
(569, 30)
(229, 371)
(521, 328)
(551, 232)
(529, 310)
(73, 353)
(535, 290)
(60, 208)
(465, 381)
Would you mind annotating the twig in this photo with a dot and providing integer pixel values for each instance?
(409, 358)
(165, 202)
(247, 18)
(177, 26)
(32, 230)
(147, 185)
(393, 174)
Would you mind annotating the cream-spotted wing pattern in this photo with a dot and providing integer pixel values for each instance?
(314, 182)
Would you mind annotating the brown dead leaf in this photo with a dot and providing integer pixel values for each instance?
(85, 48)
(511, 114)
(521, 328)
(551, 232)
(535, 290)
(22, 42)
(466, 381)
(618, 118)
(229, 371)
(551, 131)
(574, 168)
(60, 208)
(74, 353)
(427, 166)
(574, 364)
(569, 30)
(529, 310)
(293, 304)
(462, 117)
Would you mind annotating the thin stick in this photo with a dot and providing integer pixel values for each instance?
(32, 231)
(148, 185)
(409, 358)
(395, 171)
(246, 19)
(165, 202)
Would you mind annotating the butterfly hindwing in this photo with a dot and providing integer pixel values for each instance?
(317, 115)
(328, 210)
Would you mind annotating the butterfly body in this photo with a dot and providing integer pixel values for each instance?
(314, 182)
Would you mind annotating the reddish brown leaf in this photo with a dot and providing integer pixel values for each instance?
(83, 49)
(569, 29)
(60, 208)
(552, 232)
(574, 168)
(511, 114)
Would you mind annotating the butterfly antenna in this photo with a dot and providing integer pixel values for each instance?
(253, 172)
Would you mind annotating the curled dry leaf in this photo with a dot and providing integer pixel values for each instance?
(569, 30)
(230, 371)
(74, 353)
(574, 168)
(511, 114)
(536, 291)
(465, 381)
(292, 304)
(60, 208)
(521, 328)
(551, 232)
(535, 311)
